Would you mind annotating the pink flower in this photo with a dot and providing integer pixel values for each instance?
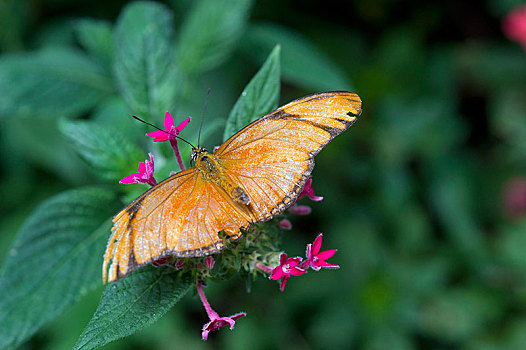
(514, 25)
(169, 134)
(316, 259)
(215, 322)
(285, 269)
(218, 322)
(179, 264)
(162, 261)
(308, 191)
(285, 224)
(209, 262)
(144, 174)
(170, 130)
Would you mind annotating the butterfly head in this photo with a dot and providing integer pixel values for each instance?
(196, 151)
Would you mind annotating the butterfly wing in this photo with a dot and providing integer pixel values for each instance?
(273, 157)
(180, 217)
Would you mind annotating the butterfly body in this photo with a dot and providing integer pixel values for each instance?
(210, 167)
(253, 176)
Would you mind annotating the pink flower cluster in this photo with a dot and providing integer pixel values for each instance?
(296, 266)
(143, 175)
(146, 169)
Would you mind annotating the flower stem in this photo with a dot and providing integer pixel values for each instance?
(177, 154)
(211, 313)
(264, 268)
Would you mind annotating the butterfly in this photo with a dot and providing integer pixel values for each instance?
(253, 176)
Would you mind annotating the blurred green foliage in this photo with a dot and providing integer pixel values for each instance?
(413, 192)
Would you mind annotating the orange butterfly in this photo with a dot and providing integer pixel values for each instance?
(255, 175)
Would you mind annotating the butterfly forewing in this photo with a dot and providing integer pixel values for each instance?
(272, 158)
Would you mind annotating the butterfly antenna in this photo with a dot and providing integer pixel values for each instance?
(203, 118)
(158, 128)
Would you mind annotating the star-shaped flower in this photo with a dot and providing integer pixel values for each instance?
(308, 191)
(217, 322)
(143, 175)
(285, 269)
(316, 259)
(170, 133)
(170, 130)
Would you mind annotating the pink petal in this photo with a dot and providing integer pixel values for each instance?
(282, 258)
(305, 264)
(306, 188)
(316, 246)
(326, 254)
(237, 316)
(159, 136)
(168, 122)
(149, 166)
(293, 261)
(284, 280)
(308, 253)
(181, 126)
(130, 179)
(315, 266)
(142, 168)
(296, 271)
(314, 198)
(327, 265)
(276, 273)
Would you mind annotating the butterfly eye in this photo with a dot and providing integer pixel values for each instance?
(193, 156)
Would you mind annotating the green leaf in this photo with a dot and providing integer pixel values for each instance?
(210, 32)
(259, 97)
(55, 259)
(144, 62)
(132, 303)
(108, 152)
(43, 146)
(96, 38)
(302, 63)
(56, 82)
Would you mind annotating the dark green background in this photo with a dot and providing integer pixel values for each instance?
(413, 191)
